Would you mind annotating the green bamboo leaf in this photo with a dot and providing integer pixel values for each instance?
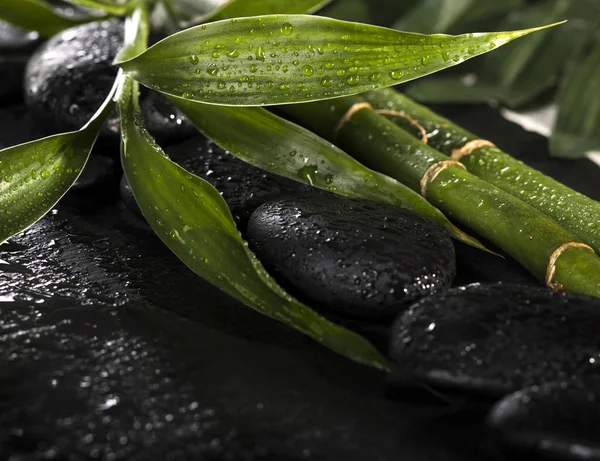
(272, 143)
(517, 74)
(278, 59)
(193, 220)
(577, 127)
(110, 6)
(34, 176)
(39, 16)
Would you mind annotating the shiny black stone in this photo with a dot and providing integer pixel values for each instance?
(495, 339)
(557, 421)
(354, 257)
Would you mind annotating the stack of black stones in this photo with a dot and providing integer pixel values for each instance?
(111, 349)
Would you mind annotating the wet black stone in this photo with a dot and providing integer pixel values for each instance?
(16, 45)
(111, 349)
(354, 257)
(496, 339)
(558, 421)
(243, 186)
(69, 77)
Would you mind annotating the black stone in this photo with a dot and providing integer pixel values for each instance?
(16, 45)
(243, 186)
(69, 77)
(110, 348)
(496, 339)
(558, 421)
(354, 257)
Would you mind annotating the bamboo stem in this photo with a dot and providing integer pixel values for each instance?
(572, 210)
(520, 230)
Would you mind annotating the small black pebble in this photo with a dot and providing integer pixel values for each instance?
(357, 258)
(557, 421)
(69, 77)
(495, 339)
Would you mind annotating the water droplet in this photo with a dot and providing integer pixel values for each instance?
(233, 54)
(221, 85)
(471, 50)
(329, 65)
(284, 86)
(287, 29)
(328, 178)
(307, 70)
(396, 74)
(45, 174)
(445, 56)
(260, 53)
(215, 54)
(308, 173)
(326, 81)
(375, 76)
(194, 59)
(353, 80)
(425, 60)
(253, 68)
(456, 58)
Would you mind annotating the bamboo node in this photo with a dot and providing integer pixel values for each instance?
(551, 269)
(434, 170)
(412, 121)
(469, 147)
(348, 115)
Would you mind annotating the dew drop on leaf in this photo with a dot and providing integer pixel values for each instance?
(307, 70)
(396, 74)
(326, 81)
(287, 29)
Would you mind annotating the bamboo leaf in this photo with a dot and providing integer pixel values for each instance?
(577, 126)
(267, 141)
(38, 15)
(278, 59)
(193, 220)
(113, 7)
(34, 176)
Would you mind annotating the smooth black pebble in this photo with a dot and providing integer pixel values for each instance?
(495, 339)
(16, 45)
(243, 186)
(69, 77)
(558, 421)
(354, 257)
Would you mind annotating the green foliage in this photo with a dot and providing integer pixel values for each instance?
(284, 59)
(39, 16)
(35, 176)
(193, 220)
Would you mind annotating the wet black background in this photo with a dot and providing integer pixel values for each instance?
(112, 349)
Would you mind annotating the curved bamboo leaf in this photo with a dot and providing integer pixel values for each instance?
(278, 59)
(37, 15)
(34, 176)
(193, 220)
(269, 142)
